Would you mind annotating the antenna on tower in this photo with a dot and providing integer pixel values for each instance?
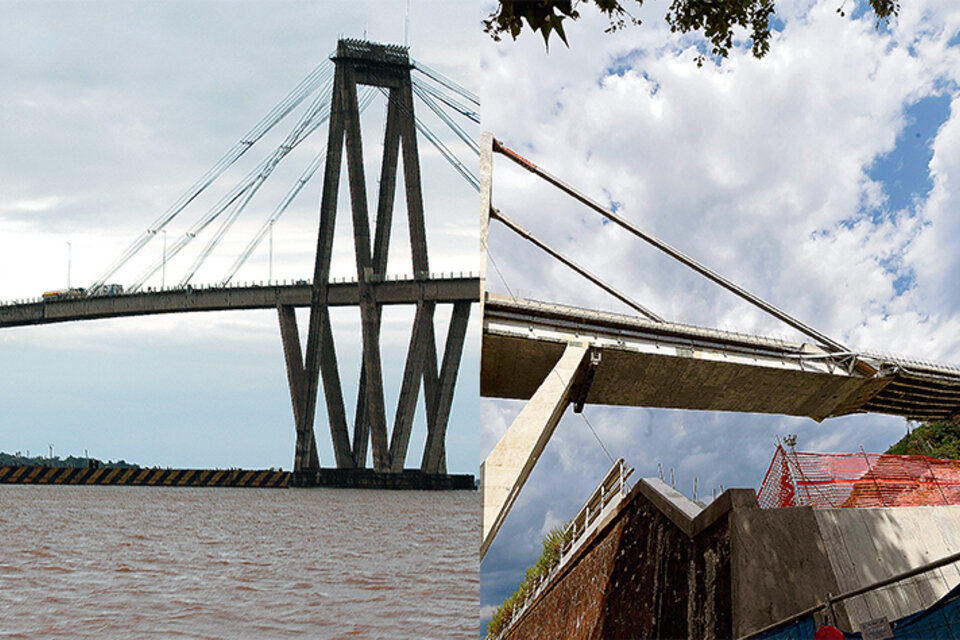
(406, 26)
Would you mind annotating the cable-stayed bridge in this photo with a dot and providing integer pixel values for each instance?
(554, 355)
(332, 96)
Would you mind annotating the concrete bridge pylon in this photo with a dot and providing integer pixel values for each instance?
(386, 67)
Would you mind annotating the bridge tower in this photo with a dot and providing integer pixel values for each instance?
(388, 68)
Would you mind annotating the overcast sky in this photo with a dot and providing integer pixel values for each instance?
(823, 178)
(109, 112)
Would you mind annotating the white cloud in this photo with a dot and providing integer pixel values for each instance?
(760, 169)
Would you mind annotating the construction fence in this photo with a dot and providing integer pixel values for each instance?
(831, 480)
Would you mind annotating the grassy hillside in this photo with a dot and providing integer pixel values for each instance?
(934, 439)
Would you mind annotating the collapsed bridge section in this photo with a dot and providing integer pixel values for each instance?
(645, 363)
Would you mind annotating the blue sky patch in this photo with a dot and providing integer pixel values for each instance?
(904, 173)
(905, 277)
(620, 65)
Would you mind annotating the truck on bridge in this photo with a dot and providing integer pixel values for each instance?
(80, 292)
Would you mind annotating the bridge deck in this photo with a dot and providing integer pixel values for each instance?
(452, 289)
(650, 364)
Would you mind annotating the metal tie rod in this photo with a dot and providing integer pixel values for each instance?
(669, 250)
(520, 231)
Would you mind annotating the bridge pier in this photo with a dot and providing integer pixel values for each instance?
(388, 68)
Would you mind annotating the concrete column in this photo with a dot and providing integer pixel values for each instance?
(411, 175)
(305, 455)
(369, 315)
(410, 387)
(434, 452)
(381, 245)
(320, 337)
(508, 466)
(333, 394)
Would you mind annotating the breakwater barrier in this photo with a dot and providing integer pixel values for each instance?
(263, 478)
(144, 477)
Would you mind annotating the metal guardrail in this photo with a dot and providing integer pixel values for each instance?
(831, 600)
(612, 487)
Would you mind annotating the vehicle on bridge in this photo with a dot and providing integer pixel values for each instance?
(58, 294)
(106, 290)
(80, 292)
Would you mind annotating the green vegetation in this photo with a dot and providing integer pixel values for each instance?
(16, 460)
(553, 544)
(934, 439)
(718, 20)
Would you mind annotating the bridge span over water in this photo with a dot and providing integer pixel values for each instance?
(438, 288)
(336, 93)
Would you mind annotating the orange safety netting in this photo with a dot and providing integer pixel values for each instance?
(824, 480)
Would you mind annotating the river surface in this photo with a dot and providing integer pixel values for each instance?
(161, 562)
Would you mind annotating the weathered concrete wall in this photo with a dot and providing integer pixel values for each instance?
(779, 566)
(786, 560)
(868, 545)
(667, 584)
(665, 567)
(642, 575)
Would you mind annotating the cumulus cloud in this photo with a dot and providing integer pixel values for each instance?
(765, 170)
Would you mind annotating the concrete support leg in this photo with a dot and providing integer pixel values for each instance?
(381, 245)
(361, 424)
(411, 176)
(333, 395)
(508, 466)
(320, 351)
(369, 313)
(305, 456)
(434, 452)
(486, 201)
(410, 387)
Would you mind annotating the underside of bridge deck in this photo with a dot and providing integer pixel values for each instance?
(667, 365)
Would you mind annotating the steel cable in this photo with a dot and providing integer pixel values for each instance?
(321, 74)
(212, 214)
(281, 208)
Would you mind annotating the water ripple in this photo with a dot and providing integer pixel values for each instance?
(154, 562)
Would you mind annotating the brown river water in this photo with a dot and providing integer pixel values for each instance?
(168, 562)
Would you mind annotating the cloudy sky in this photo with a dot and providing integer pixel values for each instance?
(823, 178)
(109, 112)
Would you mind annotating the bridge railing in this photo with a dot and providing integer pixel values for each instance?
(605, 498)
(438, 275)
(608, 494)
